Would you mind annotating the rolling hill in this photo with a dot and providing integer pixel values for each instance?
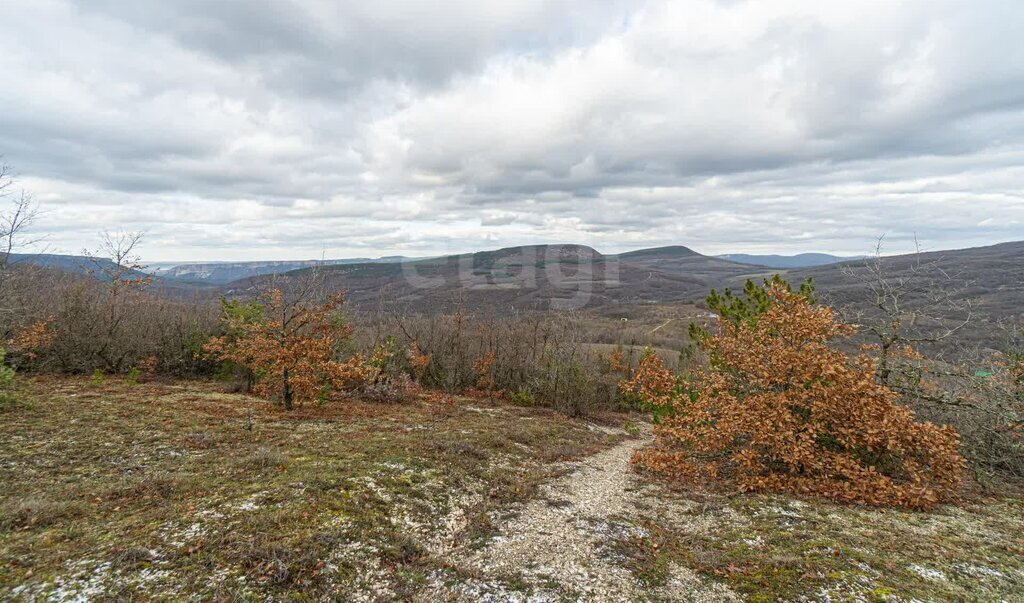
(991, 278)
(566, 277)
(221, 273)
(800, 260)
(69, 263)
(679, 260)
(542, 277)
(530, 277)
(80, 266)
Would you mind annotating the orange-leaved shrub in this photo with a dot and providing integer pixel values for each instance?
(779, 409)
(290, 348)
(32, 339)
(418, 360)
(483, 368)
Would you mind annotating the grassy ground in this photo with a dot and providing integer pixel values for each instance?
(172, 491)
(775, 548)
(178, 490)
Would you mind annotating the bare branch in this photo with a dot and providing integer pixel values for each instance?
(15, 220)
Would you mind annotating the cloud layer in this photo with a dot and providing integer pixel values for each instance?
(273, 129)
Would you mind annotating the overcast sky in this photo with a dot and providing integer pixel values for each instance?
(273, 129)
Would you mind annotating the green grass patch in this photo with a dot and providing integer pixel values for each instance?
(112, 490)
(768, 548)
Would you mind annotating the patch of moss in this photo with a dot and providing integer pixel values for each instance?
(773, 548)
(169, 489)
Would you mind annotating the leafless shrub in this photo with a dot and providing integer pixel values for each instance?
(265, 458)
(17, 213)
(974, 390)
(920, 305)
(201, 440)
(389, 390)
(542, 357)
(93, 330)
(133, 557)
(35, 512)
(110, 321)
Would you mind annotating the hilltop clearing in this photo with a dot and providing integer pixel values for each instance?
(179, 490)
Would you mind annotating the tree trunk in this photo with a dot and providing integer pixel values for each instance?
(883, 363)
(286, 394)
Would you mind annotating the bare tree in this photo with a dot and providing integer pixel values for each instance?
(919, 304)
(117, 264)
(977, 392)
(116, 261)
(17, 212)
(16, 219)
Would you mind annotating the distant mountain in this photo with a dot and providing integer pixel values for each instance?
(670, 251)
(570, 276)
(78, 264)
(991, 276)
(220, 273)
(801, 260)
(528, 277)
(679, 260)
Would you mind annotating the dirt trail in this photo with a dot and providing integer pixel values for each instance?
(557, 545)
(659, 327)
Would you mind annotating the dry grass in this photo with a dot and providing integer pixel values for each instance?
(167, 490)
(775, 548)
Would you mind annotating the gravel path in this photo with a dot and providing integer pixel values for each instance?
(553, 546)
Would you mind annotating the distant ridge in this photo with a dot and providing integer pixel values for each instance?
(78, 264)
(668, 251)
(800, 260)
(220, 273)
(571, 276)
(528, 277)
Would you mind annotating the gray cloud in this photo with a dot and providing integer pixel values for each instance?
(294, 129)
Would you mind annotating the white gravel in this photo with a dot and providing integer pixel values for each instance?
(552, 545)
